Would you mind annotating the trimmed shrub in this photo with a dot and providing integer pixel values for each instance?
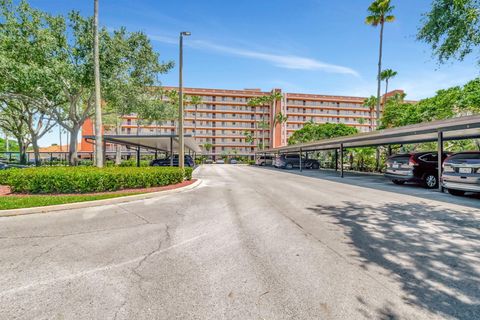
(133, 163)
(89, 179)
(188, 173)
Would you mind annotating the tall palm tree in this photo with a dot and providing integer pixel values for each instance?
(98, 98)
(379, 13)
(386, 75)
(265, 100)
(271, 100)
(254, 103)
(195, 101)
(371, 102)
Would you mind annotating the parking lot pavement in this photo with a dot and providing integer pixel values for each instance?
(248, 243)
(379, 182)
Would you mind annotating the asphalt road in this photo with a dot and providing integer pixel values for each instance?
(249, 243)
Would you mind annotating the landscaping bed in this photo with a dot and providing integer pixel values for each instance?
(43, 186)
(21, 200)
(74, 180)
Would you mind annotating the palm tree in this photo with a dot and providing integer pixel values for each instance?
(248, 139)
(265, 100)
(195, 101)
(254, 103)
(207, 146)
(379, 13)
(371, 102)
(386, 75)
(280, 118)
(98, 109)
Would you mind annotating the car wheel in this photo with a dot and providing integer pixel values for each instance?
(289, 166)
(399, 182)
(430, 181)
(454, 192)
(315, 166)
(155, 165)
(262, 164)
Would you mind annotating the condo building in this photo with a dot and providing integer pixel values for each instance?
(225, 124)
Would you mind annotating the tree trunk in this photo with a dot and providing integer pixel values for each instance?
(72, 149)
(36, 150)
(22, 149)
(98, 109)
(379, 84)
(385, 96)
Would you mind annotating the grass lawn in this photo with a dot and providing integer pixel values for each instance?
(11, 202)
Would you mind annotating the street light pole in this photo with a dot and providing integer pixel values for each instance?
(181, 142)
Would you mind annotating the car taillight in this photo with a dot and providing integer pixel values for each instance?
(412, 162)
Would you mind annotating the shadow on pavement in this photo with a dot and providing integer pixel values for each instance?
(434, 253)
(378, 182)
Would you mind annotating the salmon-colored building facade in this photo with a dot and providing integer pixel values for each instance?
(227, 125)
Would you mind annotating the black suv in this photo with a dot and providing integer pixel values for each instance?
(420, 167)
(290, 161)
(166, 162)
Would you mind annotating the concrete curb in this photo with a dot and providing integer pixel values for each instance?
(87, 204)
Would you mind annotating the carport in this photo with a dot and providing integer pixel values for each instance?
(163, 143)
(460, 128)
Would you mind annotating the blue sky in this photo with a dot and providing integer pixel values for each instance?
(311, 46)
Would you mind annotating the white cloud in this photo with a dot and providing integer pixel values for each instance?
(281, 61)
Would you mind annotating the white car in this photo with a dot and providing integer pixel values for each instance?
(233, 161)
(219, 161)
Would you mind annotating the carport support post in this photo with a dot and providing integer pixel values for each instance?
(336, 160)
(171, 151)
(300, 158)
(341, 160)
(138, 156)
(440, 158)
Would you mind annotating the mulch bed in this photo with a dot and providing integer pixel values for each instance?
(5, 190)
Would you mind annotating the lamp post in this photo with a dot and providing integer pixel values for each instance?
(181, 147)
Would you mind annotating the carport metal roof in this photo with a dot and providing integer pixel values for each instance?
(452, 129)
(153, 142)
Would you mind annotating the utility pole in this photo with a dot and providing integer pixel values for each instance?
(98, 98)
(181, 142)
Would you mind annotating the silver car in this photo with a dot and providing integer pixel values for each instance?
(461, 173)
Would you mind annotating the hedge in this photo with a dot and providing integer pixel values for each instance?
(42, 180)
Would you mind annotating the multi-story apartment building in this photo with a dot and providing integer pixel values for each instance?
(225, 123)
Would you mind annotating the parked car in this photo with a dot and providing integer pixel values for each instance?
(290, 161)
(233, 161)
(208, 161)
(5, 166)
(461, 173)
(219, 161)
(166, 162)
(419, 167)
(264, 161)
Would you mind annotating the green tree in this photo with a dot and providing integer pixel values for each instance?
(14, 121)
(207, 146)
(371, 103)
(49, 60)
(386, 75)
(313, 132)
(195, 101)
(379, 12)
(280, 118)
(20, 116)
(451, 28)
